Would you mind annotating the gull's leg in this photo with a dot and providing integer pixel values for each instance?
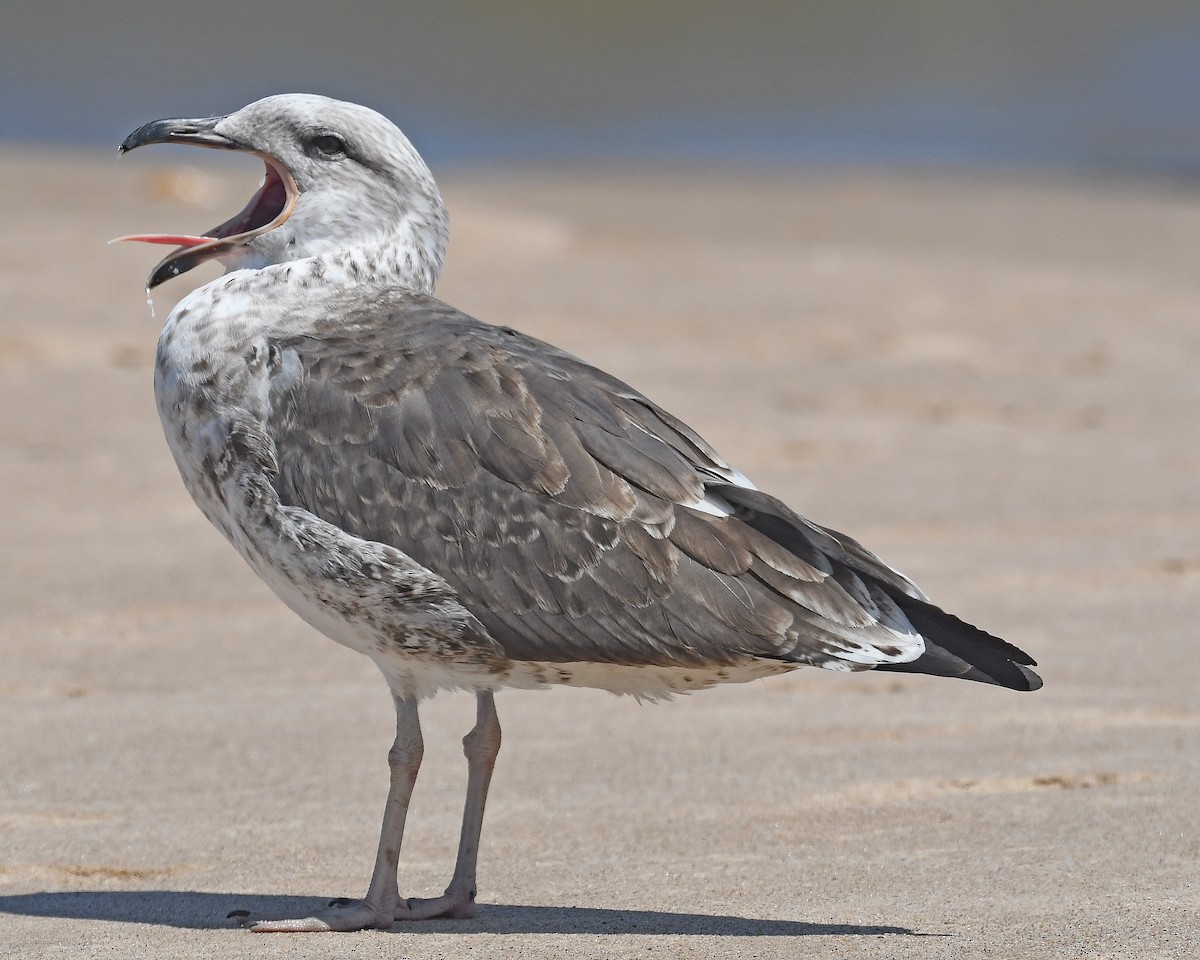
(382, 902)
(481, 746)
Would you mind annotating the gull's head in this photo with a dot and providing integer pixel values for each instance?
(339, 177)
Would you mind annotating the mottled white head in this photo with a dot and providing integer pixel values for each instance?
(339, 177)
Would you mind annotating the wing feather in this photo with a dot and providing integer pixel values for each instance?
(559, 503)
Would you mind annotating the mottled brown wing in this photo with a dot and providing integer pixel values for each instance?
(576, 520)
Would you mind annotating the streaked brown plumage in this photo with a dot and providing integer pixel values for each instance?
(551, 496)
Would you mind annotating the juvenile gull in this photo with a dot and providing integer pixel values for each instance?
(470, 507)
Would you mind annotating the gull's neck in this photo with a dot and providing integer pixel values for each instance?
(401, 247)
(408, 254)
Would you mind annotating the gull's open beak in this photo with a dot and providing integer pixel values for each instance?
(270, 206)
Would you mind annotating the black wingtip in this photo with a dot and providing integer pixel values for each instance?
(955, 648)
(1032, 679)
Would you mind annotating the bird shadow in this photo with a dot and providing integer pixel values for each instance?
(201, 911)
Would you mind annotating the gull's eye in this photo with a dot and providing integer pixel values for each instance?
(328, 146)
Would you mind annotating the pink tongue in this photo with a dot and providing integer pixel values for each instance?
(174, 240)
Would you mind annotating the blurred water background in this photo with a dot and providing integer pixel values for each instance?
(1076, 84)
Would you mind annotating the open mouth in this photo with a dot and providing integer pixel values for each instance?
(270, 206)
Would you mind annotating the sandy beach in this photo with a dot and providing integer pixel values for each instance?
(989, 380)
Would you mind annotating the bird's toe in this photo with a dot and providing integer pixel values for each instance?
(342, 915)
(458, 906)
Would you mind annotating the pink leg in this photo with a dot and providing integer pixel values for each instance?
(382, 902)
(481, 746)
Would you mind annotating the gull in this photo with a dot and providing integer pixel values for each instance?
(470, 507)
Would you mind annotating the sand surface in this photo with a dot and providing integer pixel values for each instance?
(991, 382)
